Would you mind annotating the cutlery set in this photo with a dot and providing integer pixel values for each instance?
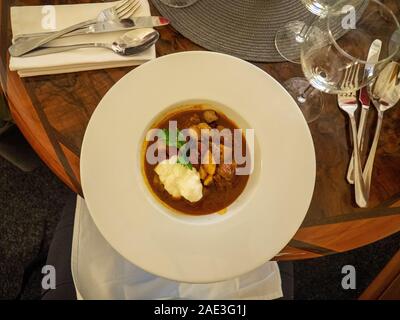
(130, 43)
(384, 94)
(116, 18)
(131, 23)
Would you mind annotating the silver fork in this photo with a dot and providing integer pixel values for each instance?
(122, 10)
(347, 101)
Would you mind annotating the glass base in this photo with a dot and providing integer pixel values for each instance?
(309, 99)
(288, 41)
(178, 3)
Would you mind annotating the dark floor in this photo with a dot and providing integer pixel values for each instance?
(321, 278)
(30, 204)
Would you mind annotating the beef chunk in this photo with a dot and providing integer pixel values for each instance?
(210, 116)
(227, 171)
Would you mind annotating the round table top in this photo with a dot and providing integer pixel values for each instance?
(53, 112)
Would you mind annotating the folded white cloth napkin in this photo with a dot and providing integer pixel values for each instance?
(29, 19)
(101, 273)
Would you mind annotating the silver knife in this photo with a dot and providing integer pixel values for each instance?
(109, 26)
(373, 58)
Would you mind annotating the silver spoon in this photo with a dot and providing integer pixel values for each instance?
(385, 95)
(130, 43)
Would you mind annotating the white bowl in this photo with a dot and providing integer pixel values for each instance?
(214, 247)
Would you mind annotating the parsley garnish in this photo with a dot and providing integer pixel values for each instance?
(179, 142)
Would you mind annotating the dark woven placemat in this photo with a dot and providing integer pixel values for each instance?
(243, 28)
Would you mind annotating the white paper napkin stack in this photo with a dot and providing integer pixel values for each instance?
(32, 19)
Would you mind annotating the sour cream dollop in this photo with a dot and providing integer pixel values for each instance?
(180, 181)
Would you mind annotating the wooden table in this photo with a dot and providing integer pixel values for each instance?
(386, 286)
(53, 112)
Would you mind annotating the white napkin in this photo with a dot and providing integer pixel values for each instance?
(29, 19)
(100, 273)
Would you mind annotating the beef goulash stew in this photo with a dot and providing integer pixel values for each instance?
(196, 183)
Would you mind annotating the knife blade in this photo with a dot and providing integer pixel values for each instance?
(373, 58)
(126, 24)
(110, 26)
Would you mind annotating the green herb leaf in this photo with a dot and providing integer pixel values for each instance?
(183, 160)
(178, 143)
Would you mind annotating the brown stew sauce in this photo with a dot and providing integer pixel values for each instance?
(217, 196)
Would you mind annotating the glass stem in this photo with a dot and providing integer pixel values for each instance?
(303, 97)
(304, 31)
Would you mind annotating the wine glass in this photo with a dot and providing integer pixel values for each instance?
(338, 44)
(326, 58)
(178, 3)
(289, 38)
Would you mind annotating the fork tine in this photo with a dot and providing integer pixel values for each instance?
(354, 79)
(127, 12)
(135, 5)
(134, 9)
(345, 79)
(120, 4)
(350, 78)
(123, 5)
